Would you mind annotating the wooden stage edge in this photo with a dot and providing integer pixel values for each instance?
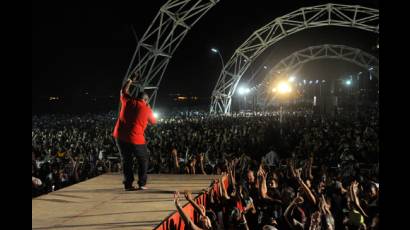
(101, 203)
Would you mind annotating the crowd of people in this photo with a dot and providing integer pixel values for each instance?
(288, 196)
(321, 173)
(332, 179)
(67, 149)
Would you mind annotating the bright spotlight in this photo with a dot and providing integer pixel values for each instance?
(348, 82)
(156, 115)
(291, 78)
(284, 87)
(214, 50)
(243, 90)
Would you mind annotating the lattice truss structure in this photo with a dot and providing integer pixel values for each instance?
(307, 17)
(159, 42)
(327, 51)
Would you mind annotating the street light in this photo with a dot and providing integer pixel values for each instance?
(220, 56)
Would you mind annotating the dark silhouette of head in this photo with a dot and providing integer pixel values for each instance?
(144, 96)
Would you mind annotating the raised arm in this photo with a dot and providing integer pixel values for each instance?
(305, 188)
(356, 200)
(291, 168)
(125, 88)
(223, 191)
(263, 190)
(199, 209)
(309, 168)
(174, 155)
(192, 165)
(232, 181)
(188, 222)
(201, 162)
(325, 206)
(293, 223)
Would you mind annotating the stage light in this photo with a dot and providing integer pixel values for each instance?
(284, 87)
(156, 115)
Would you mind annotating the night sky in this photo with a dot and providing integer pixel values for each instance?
(87, 46)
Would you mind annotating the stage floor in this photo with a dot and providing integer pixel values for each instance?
(101, 203)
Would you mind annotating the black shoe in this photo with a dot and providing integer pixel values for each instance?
(132, 188)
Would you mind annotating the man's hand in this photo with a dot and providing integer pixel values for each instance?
(135, 77)
(176, 198)
(355, 187)
(126, 86)
(188, 195)
(297, 174)
(174, 153)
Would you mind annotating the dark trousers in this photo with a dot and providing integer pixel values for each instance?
(128, 151)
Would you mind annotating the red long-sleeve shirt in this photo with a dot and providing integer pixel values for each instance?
(132, 120)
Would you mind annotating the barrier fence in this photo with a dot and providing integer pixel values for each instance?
(175, 222)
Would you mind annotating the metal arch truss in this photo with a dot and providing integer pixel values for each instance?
(326, 51)
(307, 17)
(159, 42)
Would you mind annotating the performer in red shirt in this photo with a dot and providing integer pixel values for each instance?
(129, 130)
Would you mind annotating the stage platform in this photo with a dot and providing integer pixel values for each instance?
(101, 203)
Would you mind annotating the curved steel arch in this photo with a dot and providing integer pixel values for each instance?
(307, 17)
(326, 51)
(159, 42)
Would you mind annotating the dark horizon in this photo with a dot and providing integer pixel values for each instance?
(85, 49)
